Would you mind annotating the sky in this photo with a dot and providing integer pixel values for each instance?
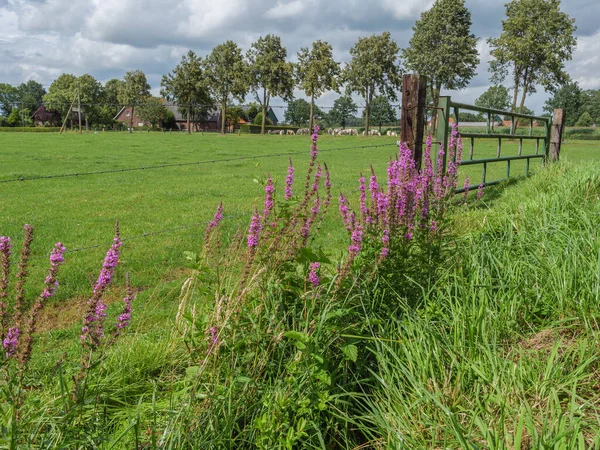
(40, 39)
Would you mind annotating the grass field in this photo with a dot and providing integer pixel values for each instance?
(502, 348)
(81, 211)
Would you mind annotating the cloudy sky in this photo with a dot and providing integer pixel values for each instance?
(40, 39)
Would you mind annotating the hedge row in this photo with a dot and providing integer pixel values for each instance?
(30, 129)
(579, 131)
(255, 129)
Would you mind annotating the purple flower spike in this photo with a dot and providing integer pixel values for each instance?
(466, 187)
(269, 204)
(480, 191)
(254, 231)
(289, 181)
(356, 240)
(11, 342)
(313, 277)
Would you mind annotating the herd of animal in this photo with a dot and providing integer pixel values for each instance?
(333, 132)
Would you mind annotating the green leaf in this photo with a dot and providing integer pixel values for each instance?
(192, 372)
(302, 337)
(351, 352)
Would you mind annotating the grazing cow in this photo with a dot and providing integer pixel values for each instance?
(290, 132)
(281, 133)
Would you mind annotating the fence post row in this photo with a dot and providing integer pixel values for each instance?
(412, 121)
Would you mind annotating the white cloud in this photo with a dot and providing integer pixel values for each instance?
(406, 9)
(287, 10)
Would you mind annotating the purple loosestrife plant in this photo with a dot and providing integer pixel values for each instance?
(407, 216)
(269, 202)
(466, 186)
(92, 330)
(480, 191)
(314, 153)
(289, 181)
(125, 317)
(11, 342)
(50, 286)
(254, 231)
(313, 276)
(5, 252)
(22, 274)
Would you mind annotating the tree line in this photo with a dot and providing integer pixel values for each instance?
(536, 41)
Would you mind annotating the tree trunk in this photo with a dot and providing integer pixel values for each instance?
(264, 112)
(525, 89)
(189, 130)
(312, 106)
(516, 79)
(367, 111)
(131, 120)
(87, 127)
(223, 111)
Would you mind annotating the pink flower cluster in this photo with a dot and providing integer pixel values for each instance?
(413, 202)
(254, 231)
(11, 342)
(92, 330)
(289, 181)
(313, 277)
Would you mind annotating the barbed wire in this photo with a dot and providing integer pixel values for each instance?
(67, 104)
(146, 235)
(194, 163)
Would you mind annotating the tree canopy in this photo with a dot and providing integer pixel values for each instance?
(187, 84)
(299, 113)
(317, 73)
(227, 75)
(342, 112)
(152, 111)
(271, 75)
(569, 99)
(382, 112)
(536, 41)
(9, 96)
(134, 90)
(443, 48)
(373, 70)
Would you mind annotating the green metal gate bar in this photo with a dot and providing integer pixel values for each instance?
(446, 105)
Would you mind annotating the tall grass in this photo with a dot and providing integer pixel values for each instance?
(504, 352)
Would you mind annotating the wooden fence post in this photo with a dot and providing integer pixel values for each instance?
(558, 124)
(442, 117)
(412, 121)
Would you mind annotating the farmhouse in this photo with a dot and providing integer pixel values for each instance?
(43, 117)
(211, 123)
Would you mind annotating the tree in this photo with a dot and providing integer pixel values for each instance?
(317, 73)
(152, 111)
(234, 114)
(134, 90)
(252, 111)
(90, 96)
(343, 110)
(569, 99)
(187, 84)
(373, 70)
(9, 96)
(61, 94)
(496, 97)
(536, 40)
(227, 75)
(382, 112)
(443, 47)
(270, 74)
(258, 120)
(590, 103)
(30, 95)
(300, 113)
(110, 102)
(20, 118)
(585, 120)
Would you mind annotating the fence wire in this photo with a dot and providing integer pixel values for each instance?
(194, 163)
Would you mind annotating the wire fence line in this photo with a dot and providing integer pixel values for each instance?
(67, 104)
(146, 235)
(194, 163)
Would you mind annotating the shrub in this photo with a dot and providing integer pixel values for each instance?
(585, 120)
(258, 120)
(30, 129)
